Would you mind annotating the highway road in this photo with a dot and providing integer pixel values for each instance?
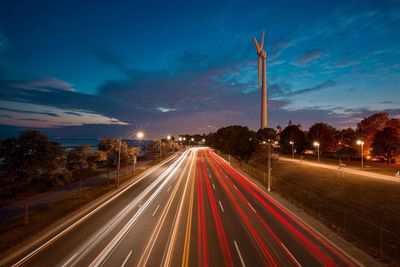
(191, 210)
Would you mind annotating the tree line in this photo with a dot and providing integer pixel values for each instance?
(32, 162)
(379, 133)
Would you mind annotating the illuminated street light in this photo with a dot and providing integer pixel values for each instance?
(180, 138)
(169, 137)
(316, 144)
(292, 143)
(361, 143)
(140, 135)
(191, 140)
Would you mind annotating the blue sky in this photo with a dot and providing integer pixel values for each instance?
(92, 68)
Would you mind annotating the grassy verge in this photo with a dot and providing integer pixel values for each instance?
(363, 210)
(14, 234)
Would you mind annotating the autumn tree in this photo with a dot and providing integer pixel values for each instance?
(31, 162)
(324, 134)
(292, 133)
(386, 143)
(367, 128)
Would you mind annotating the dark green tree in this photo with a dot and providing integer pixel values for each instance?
(292, 133)
(78, 162)
(31, 162)
(386, 143)
(346, 143)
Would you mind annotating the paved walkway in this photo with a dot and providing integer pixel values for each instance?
(345, 169)
(15, 209)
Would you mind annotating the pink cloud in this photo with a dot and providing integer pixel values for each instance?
(46, 83)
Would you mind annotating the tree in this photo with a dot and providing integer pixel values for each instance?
(31, 162)
(235, 140)
(266, 134)
(111, 149)
(78, 162)
(324, 134)
(346, 141)
(386, 143)
(292, 133)
(367, 128)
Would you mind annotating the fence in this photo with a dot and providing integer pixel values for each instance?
(368, 235)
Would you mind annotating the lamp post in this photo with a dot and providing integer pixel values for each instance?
(191, 140)
(292, 143)
(204, 141)
(139, 136)
(316, 144)
(361, 143)
(268, 164)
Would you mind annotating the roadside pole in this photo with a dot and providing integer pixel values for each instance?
(269, 166)
(119, 161)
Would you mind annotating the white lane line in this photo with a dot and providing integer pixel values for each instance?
(209, 176)
(248, 203)
(235, 187)
(291, 255)
(214, 186)
(126, 259)
(222, 208)
(240, 255)
(169, 188)
(155, 210)
(67, 263)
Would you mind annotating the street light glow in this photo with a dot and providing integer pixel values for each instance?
(316, 144)
(169, 137)
(140, 135)
(359, 142)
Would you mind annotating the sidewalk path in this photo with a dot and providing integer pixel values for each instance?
(15, 209)
(345, 169)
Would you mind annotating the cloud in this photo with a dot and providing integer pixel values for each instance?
(163, 109)
(307, 57)
(318, 87)
(28, 112)
(285, 90)
(45, 84)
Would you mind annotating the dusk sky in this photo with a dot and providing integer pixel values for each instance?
(93, 68)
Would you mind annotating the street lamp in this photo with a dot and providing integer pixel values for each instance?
(292, 143)
(191, 140)
(361, 143)
(140, 135)
(316, 144)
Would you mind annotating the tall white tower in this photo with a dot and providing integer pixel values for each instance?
(262, 68)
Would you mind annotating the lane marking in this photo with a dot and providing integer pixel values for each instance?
(235, 187)
(291, 255)
(90, 213)
(248, 203)
(221, 206)
(214, 186)
(156, 210)
(169, 188)
(126, 259)
(240, 255)
(186, 250)
(67, 263)
(105, 253)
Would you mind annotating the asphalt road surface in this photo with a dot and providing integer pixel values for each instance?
(192, 210)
